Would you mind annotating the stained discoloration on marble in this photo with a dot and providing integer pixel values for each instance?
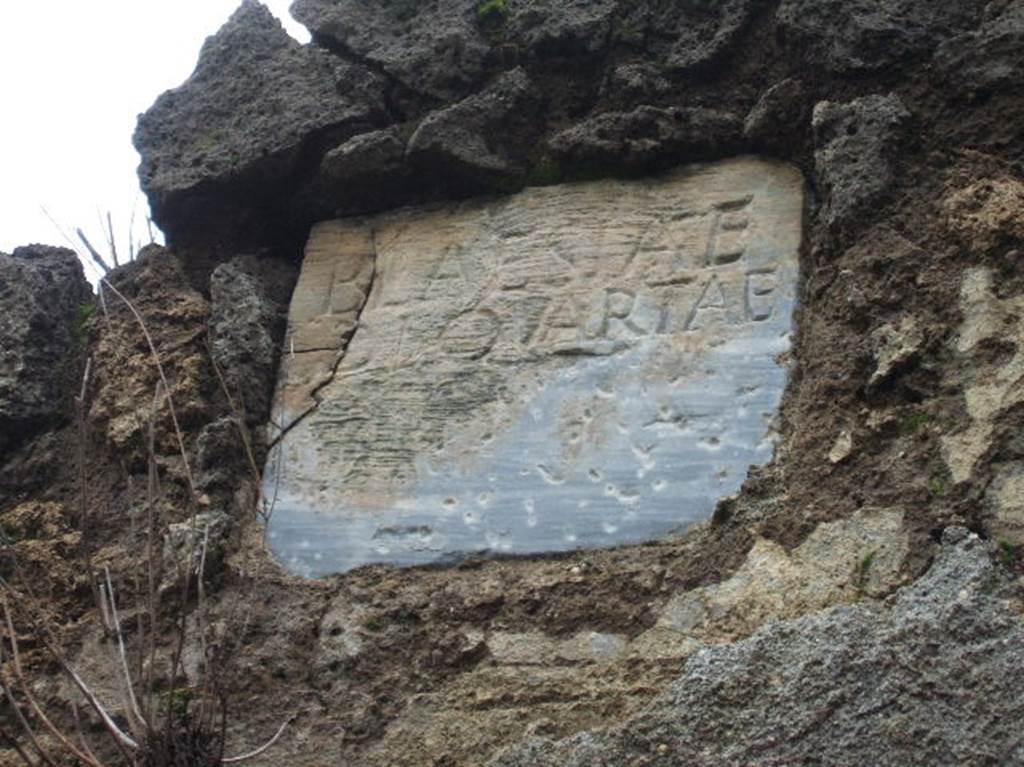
(578, 365)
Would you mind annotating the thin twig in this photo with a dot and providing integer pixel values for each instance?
(266, 510)
(93, 252)
(25, 726)
(81, 732)
(33, 704)
(258, 751)
(59, 228)
(134, 704)
(84, 522)
(152, 489)
(163, 380)
(103, 303)
(17, 747)
(112, 239)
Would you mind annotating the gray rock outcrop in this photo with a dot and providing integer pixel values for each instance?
(240, 124)
(44, 305)
(857, 149)
(461, 139)
(646, 135)
(927, 677)
(438, 50)
(848, 36)
(248, 305)
(990, 57)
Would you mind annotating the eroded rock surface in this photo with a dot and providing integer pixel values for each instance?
(864, 35)
(858, 147)
(255, 100)
(248, 304)
(44, 303)
(576, 365)
(902, 682)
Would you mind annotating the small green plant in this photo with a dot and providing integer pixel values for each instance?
(938, 486)
(80, 328)
(178, 701)
(1008, 553)
(492, 10)
(914, 422)
(863, 570)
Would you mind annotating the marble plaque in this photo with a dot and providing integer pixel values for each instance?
(572, 366)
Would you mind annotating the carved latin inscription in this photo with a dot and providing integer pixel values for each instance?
(573, 365)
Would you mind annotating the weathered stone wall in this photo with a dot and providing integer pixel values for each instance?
(901, 418)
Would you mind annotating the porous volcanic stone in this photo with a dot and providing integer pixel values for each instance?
(238, 125)
(248, 304)
(42, 295)
(857, 147)
(468, 139)
(781, 111)
(928, 677)
(865, 35)
(647, 135)
(436, 49)
(681, 36)
(989, 58)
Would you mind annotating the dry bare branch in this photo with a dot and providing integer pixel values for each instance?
(111, 240)
(262, 749)
(18, 749)
(22, 721)
(163, 380)
(141, 722)
(95, 254)
(26, 690)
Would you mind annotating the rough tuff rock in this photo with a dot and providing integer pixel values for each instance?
(857, 151)
(992, 388)
(124, 369)
(894, 346)
(44, 300)
(987, 213)
(646, 135)
(575, 27)
(902, 682)
(682, 36)
(445, 50)
(770, 123)
(864, 35)
(460, 139)
(248, 305)
(989, 58)
(436, 49)
(240, 124)
(364, 170)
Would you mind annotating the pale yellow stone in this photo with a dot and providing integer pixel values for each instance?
(986, 317)
(839, 562)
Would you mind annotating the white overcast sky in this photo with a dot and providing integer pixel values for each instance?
(74, 74)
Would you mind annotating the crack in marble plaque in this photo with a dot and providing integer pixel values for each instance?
(572, 366)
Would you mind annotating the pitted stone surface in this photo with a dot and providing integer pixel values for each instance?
(572, 366)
